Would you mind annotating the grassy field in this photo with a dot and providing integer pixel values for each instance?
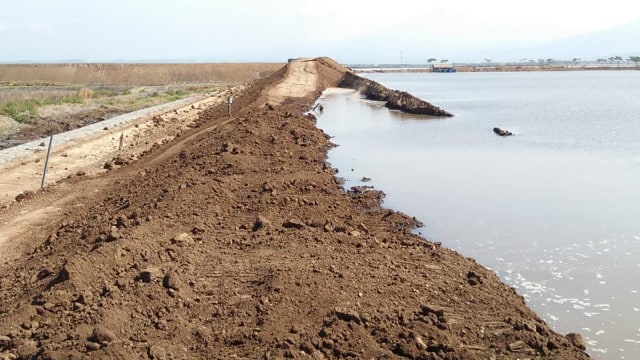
(134, 74)
(41, 99)
(23, 104)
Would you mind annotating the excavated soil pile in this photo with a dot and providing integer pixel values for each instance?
(237, 241)
(394, 99)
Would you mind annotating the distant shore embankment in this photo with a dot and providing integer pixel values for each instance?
(134, 74)
(495, 68)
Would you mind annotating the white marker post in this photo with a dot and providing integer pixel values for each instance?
(46, 162)
(229, 101)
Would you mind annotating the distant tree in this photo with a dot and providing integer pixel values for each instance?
(635, 59)
(444, 61)
(430, 60)
(575, 60)
(549, 61)
(488, 60)
(601, 60)
(615, 59)
(541, 61)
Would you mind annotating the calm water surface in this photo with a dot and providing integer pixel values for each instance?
(554, 210)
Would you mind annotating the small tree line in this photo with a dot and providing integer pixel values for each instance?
(549, 61)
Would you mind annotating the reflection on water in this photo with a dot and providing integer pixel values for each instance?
(552, 210)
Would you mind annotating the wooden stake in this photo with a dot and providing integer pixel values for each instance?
(46, 162)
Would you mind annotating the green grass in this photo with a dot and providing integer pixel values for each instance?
(24, 110)
(21, 110)
(173, 95)
(105, 93)
(178, 92)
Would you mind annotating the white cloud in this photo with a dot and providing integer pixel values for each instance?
(4, 25)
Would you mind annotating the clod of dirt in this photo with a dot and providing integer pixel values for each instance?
(24, 196)
(63, 275)
(27, 349)
(432, 309)
(85, 298)
(118, 160)
(260, 223)
(473, 278)
(307, 347)
(293, 224)
(347, 315)
(102, 335)
(149, 274)
(183, 239)
(157, 353)
(577, 340)
(171, 280)
(517, 346)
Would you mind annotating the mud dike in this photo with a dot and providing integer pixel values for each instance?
(237, 241)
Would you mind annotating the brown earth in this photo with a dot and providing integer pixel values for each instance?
(90, 154)
(236, 240)
(394, 99)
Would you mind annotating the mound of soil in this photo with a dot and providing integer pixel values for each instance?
(394, 99)
(237, 241)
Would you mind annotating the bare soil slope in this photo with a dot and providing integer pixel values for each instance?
(237, 241)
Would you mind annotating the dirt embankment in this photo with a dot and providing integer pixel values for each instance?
(134, 74)
(394, 99)
(237, 241)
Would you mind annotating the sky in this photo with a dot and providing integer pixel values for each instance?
(274, 30)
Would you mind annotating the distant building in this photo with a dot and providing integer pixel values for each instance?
(443, 68)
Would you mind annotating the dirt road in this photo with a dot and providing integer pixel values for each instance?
(301, 80)
(84, 152)
(237, 241)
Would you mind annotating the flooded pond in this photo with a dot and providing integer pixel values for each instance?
(553, 210)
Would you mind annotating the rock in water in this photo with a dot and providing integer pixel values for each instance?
(502, 132)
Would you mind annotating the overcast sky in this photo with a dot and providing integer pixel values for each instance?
(248, 30)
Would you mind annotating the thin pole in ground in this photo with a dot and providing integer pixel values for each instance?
(121, 141)
(229, 101)
(46, 162)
